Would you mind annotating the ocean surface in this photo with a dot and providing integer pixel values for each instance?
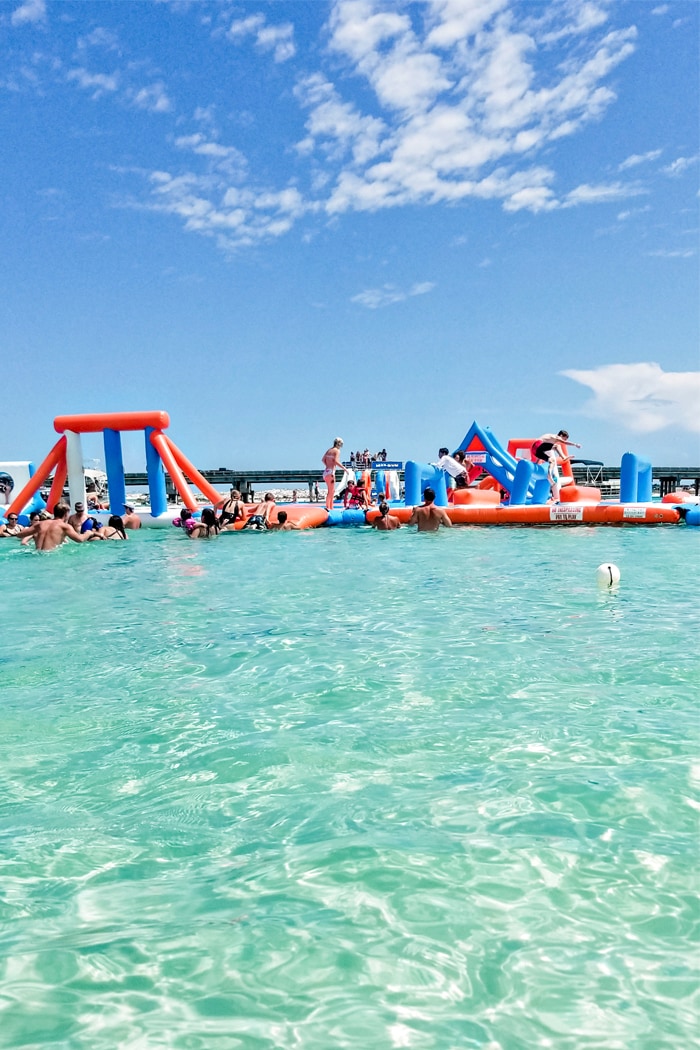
(345, 789)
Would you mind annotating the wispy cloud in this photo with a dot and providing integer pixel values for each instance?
(602, 194)
(673, 253)
(643, 397)
(373, 298)
(679, 166)
(153, 98)
(639, 158)
(31, 11)
(97, 83)
(279, 39)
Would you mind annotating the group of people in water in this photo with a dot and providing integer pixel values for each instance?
(48, 532)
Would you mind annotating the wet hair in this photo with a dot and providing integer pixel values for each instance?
(281, 517)
(563, 434)
(270, 496)
(185, 514)
(429, 495)
(60, 511)
(115, 522)
(383, 508)
(209, 518)
(35, 515)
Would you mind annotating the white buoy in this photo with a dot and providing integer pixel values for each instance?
(607, 574)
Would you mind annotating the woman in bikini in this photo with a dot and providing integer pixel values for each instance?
(114, 530)
(331, 460)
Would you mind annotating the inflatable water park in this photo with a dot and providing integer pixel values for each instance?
(507, 485)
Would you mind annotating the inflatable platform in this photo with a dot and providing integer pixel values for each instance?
(507, 486)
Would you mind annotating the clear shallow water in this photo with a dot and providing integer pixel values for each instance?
(349, 789)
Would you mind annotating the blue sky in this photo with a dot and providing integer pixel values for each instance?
(286, 221)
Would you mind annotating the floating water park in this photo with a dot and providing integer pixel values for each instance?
(507, 485)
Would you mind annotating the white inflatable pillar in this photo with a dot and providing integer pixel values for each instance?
(76, 474)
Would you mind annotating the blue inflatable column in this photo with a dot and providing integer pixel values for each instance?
(380, 484)
(412, 476)
(114, 466)
(419, 475)
(644, 481)
(156, 478)
(635, 479)
(541, 490)
(521, 483)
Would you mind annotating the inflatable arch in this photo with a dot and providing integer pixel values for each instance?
(66, 460)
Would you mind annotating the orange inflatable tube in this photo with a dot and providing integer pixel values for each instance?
(193, 474)
(97, 421)
(301, 515)
(59, 480)
(161, 446)
(57, 453)
(553, 514)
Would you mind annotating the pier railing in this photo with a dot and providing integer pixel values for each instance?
(667, 479)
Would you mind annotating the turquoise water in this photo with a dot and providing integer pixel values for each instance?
(349, 789)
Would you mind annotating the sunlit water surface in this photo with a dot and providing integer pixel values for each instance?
(349, 789)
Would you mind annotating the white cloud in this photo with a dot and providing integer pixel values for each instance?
(98, 83)
(642, 397)
(462, 102)
(616, 191)
(679, 166)
(99, 37)
(673, 253)
(153, 98)
(451, 100)
(276, 38)
(373, 298)
(235, 216)
(29, 12)
(639, 158)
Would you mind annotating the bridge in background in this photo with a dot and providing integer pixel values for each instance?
(247, 481)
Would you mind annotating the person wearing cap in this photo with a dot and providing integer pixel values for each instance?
(331, 460)
(7, 484)
(130, 518)
(78, 519)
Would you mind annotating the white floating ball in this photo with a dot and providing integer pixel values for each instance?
(607, 574)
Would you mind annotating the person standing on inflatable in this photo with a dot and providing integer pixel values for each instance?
(546, 449)
(331, 459)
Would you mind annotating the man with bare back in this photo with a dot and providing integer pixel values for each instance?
(429, 518)
(48, 535)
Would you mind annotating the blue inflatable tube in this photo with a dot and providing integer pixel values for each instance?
(418, 477)
(346, 516)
